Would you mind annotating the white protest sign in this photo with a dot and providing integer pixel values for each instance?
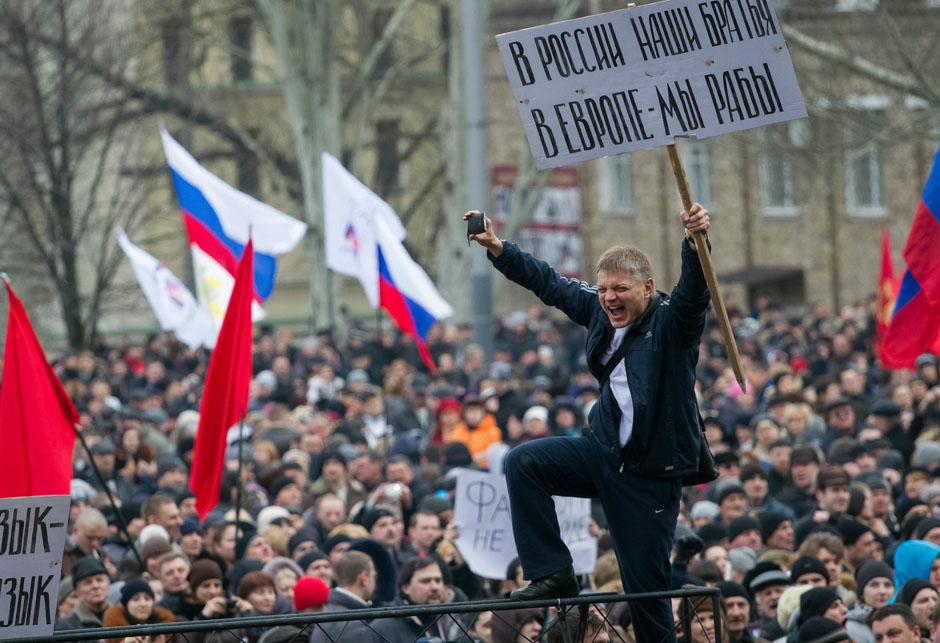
(32, 539)
(637, 78)
(482, 514)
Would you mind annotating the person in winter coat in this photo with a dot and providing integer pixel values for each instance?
(136, 608)
(875, 582)
(478, 429)
(643, 432)
(915, 559)
(922, 598)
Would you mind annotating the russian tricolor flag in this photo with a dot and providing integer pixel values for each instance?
(218, 219)
(363, 238)
(914, 327)
(922, 250)
(915, 323)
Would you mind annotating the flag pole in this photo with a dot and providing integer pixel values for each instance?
(104, 483)
(701, 247)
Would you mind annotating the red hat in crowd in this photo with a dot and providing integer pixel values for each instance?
(309, 592)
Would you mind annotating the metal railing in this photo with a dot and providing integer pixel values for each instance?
(307, 621)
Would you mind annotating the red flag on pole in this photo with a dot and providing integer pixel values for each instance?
(37, 418)
(887, 293)
(225, 394)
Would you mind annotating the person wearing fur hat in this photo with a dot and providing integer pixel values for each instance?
(137, 608)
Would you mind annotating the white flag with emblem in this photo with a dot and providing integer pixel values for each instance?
(171, 301)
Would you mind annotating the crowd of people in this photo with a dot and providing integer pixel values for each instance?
(823, 524)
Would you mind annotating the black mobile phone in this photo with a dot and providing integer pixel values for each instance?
(476, 224)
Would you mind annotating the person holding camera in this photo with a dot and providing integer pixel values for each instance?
(643, 432)
(207, 598)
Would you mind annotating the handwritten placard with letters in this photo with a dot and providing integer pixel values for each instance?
(32, 539)
(482, 515)
(637, 78)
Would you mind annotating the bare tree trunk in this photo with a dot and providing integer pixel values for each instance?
(303, 37)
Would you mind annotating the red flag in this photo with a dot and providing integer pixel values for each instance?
(225, 394)
(37, 418)
(887, 293)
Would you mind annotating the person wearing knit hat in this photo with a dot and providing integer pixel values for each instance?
(372, 516)
(285, 492)
(68, 597)
(712, 534)
(732, 501)
(743, 560)
(703, 512)
(92, 585)
(151, 552)
(302, 543)
(788, 610)
(317, 564)
(335, 546)
(820, 629)
(737, 609)
(202, 571)
(874, 583)
(859, 541)
(929, 529)
(253, 546)
(822, 601)
(776, 530)
(744, 531)
(208, 598)
(922, 598)
(310, 594)
(136, 608)
(809, 570)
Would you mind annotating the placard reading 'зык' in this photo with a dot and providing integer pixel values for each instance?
(32, 539)
(637, 78)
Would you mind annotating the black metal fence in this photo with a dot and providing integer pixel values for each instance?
(225, 628)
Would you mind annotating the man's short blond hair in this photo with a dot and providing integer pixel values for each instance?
(626, 260)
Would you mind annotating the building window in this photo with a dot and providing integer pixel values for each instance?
(386, 138)
(175, 53)
(697, 159)
(616, 184)
(240, 32)
(864, 179)
(777, 191)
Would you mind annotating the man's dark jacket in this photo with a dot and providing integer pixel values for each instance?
(660, 364)
(351, 630)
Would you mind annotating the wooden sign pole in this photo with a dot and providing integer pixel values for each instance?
(701, 246)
